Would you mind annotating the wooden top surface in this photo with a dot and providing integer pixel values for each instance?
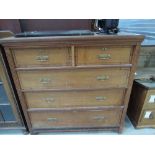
(6, 34)
(102, 37)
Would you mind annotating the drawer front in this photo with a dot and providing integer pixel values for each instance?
(66, 79)
(150, 99)
(75, 119)
(75, 99)
(148, 117)
(101, 56)
(42, 57)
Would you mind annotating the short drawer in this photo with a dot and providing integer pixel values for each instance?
(75, 118)
(77, 78)
(42, 57)
(74, 98)
(148, 117)
(103, 55)
(150, 99)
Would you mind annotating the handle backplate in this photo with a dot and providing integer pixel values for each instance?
(42, 58)
(104, 56)
(102, 77)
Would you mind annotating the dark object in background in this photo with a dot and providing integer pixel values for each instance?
(12, 25)
(29, 25)
(55, 33)
(109, 26)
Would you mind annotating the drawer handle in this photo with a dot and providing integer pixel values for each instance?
(104, 49)
(99, 118)
(100, 98)
(148, 115)
(52, 119)
(104, 56)
(152, 99)
(45, 80)
(42, 58)
(102, 77)
(48, 100)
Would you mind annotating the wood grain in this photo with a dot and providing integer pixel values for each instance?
(42, 57)
(135, 55)
(82, 78)
(139, 105)
(147, 104)
(64, 81)
(147, 121)
(102, 55)
(74, 98)
(91, 118)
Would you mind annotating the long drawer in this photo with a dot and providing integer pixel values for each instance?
(74, 98)
(103, 55)
(75, 119)
(78, 78)
(42, 57)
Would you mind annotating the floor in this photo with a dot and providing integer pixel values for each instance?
(128, 130)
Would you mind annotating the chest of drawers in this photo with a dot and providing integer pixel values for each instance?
(141, 109)
(73, 83)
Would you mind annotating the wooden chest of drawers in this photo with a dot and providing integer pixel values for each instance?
(141, 109)
(73, 83)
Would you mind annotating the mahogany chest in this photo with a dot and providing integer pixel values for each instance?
(73, 83)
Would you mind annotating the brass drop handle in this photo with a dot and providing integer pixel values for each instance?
(102, 77)
(42, 58)
(99, 118)
(100, 98)
(45, 80)
(52, 119)
(48, 99)
(104, 49)
(104, 56)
